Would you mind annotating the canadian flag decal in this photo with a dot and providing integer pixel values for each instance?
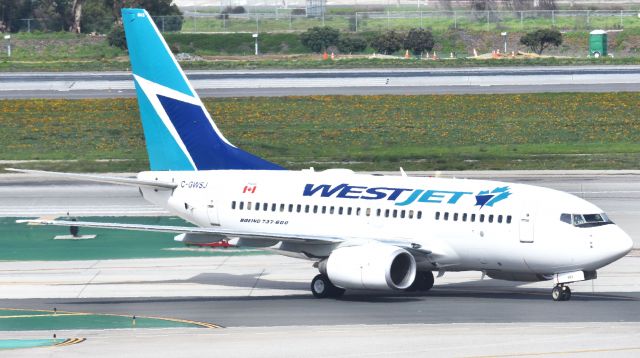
(249, 188)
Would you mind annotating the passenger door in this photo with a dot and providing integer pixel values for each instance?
(212, 213)
(526, 225)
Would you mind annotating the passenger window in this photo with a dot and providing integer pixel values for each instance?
(315, 209)
(298, 208)
(349, 211)
(473, 218)
(491, 218)
(402, 212)
(233, 205)
(455, 217)
(273, 207)
(368, 213)
(378, 212)
(395, 213)
(358, 212)
(499, 219)
(290, 208)
(481, 218)
(464, 217)
(324, 209)
(410, 214)
(340, 210)
(437, 215)
(241, 205)
(565, 218)
(386, 213)
(331, 210)
(508, 219)
(265, 207)
(249, 205)
(419, 214)
(281, 207)
(257, 207)
(446, 216)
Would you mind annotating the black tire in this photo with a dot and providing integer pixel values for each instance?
(556, 294)
(423, 282)
(566, 293)
(321, 287)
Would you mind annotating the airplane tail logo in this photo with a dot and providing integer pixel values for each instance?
(179, 132)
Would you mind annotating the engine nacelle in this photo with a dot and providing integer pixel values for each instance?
(371, 266)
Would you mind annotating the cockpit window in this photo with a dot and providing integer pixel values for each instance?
(586, 220)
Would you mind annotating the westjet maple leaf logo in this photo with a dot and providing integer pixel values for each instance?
(488, 198)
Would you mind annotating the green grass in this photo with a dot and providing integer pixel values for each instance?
(524, 131)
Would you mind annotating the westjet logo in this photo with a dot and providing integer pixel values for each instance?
(403, 196)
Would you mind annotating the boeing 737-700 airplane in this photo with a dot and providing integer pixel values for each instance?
(361, 231)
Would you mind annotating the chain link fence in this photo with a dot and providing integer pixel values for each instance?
(566, 20)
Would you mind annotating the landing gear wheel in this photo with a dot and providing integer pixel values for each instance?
(561, 293)
(423, 282)
(321, 287)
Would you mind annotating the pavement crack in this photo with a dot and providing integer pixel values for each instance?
(88, 283)
(256, 283)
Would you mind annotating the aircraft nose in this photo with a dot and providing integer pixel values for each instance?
(621, 243)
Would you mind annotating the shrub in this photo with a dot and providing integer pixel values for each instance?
(116, 37)
(540, 40)
(319, 38)
(419, 40)
(388, 42)
(351, 43)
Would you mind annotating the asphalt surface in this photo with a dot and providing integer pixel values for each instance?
(336, 82)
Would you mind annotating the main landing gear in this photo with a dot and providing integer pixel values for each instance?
(561, 293)
(321, 287)
(423, 282)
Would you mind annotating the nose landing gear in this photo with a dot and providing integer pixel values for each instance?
(561, 293)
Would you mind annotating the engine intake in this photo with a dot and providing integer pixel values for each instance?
(371, 266)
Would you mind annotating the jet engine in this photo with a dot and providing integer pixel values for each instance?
(371, 266)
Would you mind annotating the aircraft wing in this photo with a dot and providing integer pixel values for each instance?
(101, 179)
(189, 230)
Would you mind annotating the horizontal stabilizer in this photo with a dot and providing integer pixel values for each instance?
(100, 179)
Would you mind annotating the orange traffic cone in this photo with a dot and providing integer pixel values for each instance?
(406, 54)
(325, 56)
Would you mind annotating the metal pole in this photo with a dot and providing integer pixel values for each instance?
(322, 17)
(621, 21)
(256, 46)
(356, 22)
(421, 19)
(553, 17)
(388, 20)
(290, 21)
(257, 23)
(455, 19)
(521, 19)
(487, 19)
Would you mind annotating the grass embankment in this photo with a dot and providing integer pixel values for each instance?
(68, 52)
(525, 131)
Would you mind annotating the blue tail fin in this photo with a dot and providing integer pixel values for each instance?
(178, 130)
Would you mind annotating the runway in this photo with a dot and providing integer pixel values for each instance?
(336, 82)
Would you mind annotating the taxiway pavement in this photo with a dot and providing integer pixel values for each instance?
(340, 82)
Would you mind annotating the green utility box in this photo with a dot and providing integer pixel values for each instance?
(598, 43)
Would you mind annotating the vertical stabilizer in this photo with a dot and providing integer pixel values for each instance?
(179, 132)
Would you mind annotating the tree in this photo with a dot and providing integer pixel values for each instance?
(419, 40)
(116, 36)
(318, 39)
(388, 42)
(540, 40)
(351, 43)
(75, 16)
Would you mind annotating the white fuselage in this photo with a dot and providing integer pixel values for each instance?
(483, 225)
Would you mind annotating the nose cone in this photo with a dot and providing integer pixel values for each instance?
(619, 244)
